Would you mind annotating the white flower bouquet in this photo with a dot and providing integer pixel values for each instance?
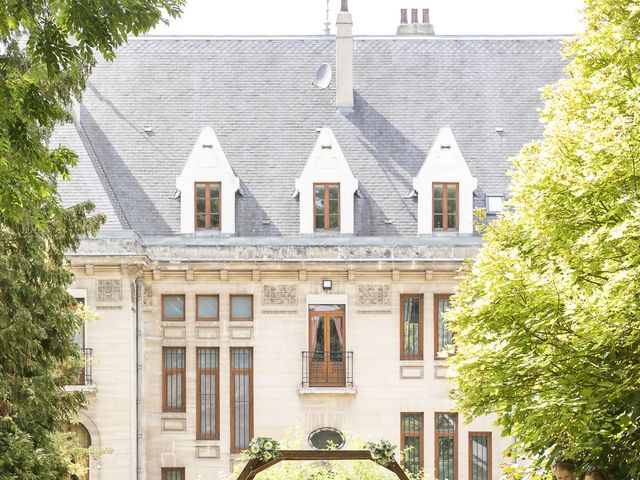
(381, 452)
(263, 448)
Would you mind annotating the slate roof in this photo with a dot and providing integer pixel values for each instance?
(257, 95)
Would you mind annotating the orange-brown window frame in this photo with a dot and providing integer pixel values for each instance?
(184, 307)
(215, 435)
(420, 354)
(240, 319)
(207, 205)
(326, 207)
(445, 207)
(489, 453)
(233, 371)
(165, 471)
(183, 383)
(436, 300)
(403, 446)
(436, 444)
(207, 319)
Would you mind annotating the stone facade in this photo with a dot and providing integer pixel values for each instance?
(383, 385)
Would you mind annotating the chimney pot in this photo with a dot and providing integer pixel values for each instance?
(425, 16)
(414, 15)
(403, 16)
(345, 6)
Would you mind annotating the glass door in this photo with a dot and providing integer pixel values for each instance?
(326, 346)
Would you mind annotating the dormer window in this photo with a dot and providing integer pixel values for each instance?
(445, 206)
(445, 189)
(207, 205)
(326, 188)
(208, 187)
(326, 206)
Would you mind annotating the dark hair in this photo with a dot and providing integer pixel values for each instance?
(564, 464)
(599, 473)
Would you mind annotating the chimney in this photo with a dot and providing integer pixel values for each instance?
(415, 28)
(344, 58)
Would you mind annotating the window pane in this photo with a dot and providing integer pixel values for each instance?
(208, 358)
(411, 435)
(446, 423)
(241, 363)
(445, 336)
(480, 457)
(241, 307)
(207, 306)
(319, 206)
(334, 206)
(174, 357)
(214, 206)
(411, 325)
(437, 221)
(437, 191)
(201, 220)
(446, 458)
(207, 391)
(173, 307)
(334, 222)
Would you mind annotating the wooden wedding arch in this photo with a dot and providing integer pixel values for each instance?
(254, 466)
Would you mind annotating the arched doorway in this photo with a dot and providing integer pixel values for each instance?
(83, 438)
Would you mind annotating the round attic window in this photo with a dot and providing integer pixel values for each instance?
(322, 438)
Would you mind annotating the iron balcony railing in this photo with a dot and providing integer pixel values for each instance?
(86, 374)
(327, 369)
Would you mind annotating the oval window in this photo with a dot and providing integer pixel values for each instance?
(323, 438)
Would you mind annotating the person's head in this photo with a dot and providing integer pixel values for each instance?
(596, 473)
(563, 469)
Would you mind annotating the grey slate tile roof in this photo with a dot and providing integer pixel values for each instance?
(257, 95)
(85, 183)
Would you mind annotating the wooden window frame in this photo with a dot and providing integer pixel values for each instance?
(240, 319)
(207, 319)
(436, 445)
(444, 207)
(232, 398)
(199, 371)
(184, 307)
(436, 298)
(165, 470)
(183, 384)
(326, 209)
(207, 205)
(420, 355)
(489, 452)
(402, 435)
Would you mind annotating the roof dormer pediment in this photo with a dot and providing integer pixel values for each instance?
(207, 163)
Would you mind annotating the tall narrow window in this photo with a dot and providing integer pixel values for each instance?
(412, 440)
(207, 394)
(174, 382)
(242, 307)
(445, 206)
(173, 474)
(411, 327)
(207, 206)
(446, 443)
(172, 307)
(207, 307)
(326, 206)
(479, 455)
(443, 336)
(241, 398)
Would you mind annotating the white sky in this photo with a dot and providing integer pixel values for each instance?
(376, 17)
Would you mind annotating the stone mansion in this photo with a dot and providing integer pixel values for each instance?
(286, 217)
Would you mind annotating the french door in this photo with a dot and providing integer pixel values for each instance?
(326, 346)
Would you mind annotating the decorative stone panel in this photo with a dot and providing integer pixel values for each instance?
(174, 424)
(208, 451)
(279, 295)
(109, 293)
(374, 295)
(147, 299)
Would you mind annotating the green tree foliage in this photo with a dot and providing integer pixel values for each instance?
(47, 50)
(547, 322)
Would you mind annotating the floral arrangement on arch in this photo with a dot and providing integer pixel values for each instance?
(381, 452)
(263, 448)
